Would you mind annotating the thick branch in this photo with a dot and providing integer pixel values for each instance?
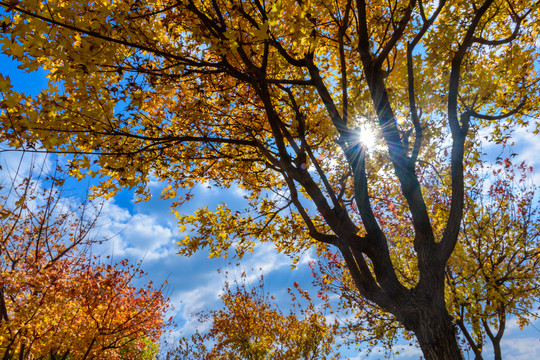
(363, 33)
(305, 148)
(512, 37)
(377, 247)
(337, 120)
(459, 133)
(363, 279)
(477, 349)
(313, 232)
(339, 221)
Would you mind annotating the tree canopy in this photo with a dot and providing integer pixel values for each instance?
(273, 97)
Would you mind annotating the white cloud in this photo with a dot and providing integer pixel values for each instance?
(524, 348)
(14, 160)
(203, 291)
(18, 165)
(523, 142)
(402, 352)
(135, 236)
(307, 257)
(266, 258)
(195, 300)
(238, 191)
(513, 327)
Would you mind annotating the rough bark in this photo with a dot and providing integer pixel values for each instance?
(436, 335)
(424, 312)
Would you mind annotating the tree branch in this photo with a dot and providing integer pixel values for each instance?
(110, 39)
(459, 133)
(398, 33)
(502, 116)
(410, 72)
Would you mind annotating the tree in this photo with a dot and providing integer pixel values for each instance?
(493, 273)
(251, 326)
(272, 96)
(57, 302)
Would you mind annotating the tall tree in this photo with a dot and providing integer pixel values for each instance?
(272, 96)
(252, 326)
(55, 301)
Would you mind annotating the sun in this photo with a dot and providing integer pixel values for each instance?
(367, 136)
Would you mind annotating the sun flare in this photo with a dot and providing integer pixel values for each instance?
(367, 136)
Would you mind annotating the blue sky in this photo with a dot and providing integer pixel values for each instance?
(148, 231)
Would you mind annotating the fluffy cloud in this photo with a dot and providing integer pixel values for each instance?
(521, 348)
(135, 236)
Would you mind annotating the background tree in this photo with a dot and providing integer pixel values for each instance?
(492, 275)
(251, 326)
(272, 96)
(57, 302)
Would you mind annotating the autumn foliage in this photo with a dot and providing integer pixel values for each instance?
(273, 97)
(252, 326)
(56, 300)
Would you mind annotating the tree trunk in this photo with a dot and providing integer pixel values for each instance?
(436, 334)
(497, 350)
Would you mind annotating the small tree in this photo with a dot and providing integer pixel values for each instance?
(251, 326)
(494, 273)
(56, 302)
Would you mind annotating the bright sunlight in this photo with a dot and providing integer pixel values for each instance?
(367, 136)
